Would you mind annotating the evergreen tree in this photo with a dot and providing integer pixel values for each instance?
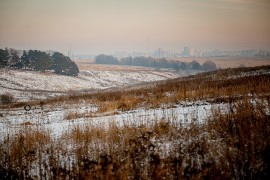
(4, 57)
(25, 60)
(194, 65)
(64, 65)
(105, 59)
(209, 66)
(43, 61)
(183, 66)
(73, 69)
(14, 56)
(31, 59)
(38, 60)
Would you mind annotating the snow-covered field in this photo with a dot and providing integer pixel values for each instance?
(53, 118)
(25, 85)
(65, 122)
(28, 85)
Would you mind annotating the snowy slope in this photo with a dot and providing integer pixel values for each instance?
(34, 85)
(53, 118)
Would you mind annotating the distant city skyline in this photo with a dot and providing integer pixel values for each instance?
(165, 53)
(185, 52)
(99, 26)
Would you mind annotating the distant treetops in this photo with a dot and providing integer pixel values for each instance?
(36, 60)
(156, 63)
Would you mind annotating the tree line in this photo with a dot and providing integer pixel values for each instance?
(36, 60)
(156, 63)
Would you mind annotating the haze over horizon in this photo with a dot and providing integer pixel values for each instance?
(100, 26)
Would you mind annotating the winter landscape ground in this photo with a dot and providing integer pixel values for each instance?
(134, 89)
(29, 85)
(112, 124)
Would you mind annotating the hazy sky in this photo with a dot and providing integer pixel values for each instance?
(106, 26)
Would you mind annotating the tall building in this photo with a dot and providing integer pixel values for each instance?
(186, 52)
(171, 53)
(159, 53)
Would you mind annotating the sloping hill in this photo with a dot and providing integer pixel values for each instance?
(26, 85)
(211, 125)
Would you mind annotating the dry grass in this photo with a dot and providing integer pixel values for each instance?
(90, 66)
(212, 86)
(6, 98)
(231, 145)
(73, 115)
(20, 153)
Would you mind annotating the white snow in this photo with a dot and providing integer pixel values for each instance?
(53, 118)
(27, 85)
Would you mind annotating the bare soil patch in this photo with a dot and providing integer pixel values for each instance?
(88, 65)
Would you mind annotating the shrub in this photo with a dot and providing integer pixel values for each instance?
(7, 98)
(209, 66)
(73, 115)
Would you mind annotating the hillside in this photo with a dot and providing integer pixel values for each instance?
(209, 125)
(30, 85)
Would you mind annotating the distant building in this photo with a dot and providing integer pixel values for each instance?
(249, 53)
(197, 53)
(171, 53)
(268, 53)
(186, 52)
(261, 53)
(218, 53)
(159, 53)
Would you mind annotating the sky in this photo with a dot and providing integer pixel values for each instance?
(107, 26)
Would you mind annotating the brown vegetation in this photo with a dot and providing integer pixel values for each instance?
(210, 86)
(230, 145)
(6, 98)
